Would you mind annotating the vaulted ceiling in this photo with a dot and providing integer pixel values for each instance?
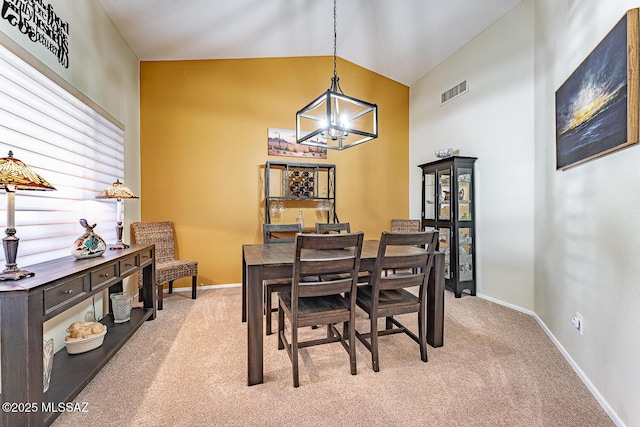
(399, 39)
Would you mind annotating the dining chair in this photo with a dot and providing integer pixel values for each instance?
(405, 226)
(277, 233)
(332, 227)
(324, 302)
(389, 295)
(337, 227)
(168, 269)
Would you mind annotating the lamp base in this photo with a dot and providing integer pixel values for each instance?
(10, 245)
(119, 232)
(15, 274)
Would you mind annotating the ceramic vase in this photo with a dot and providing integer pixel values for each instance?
(88, 245)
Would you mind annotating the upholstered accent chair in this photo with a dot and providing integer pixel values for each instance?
(168, 269)
(405, 225)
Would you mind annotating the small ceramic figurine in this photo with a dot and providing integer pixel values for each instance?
(88, 245)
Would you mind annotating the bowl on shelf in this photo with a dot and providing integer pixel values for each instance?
(82, 345)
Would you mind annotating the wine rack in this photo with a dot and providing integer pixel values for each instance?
(300, 185)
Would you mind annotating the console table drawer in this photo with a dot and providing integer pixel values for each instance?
(145, 257)
(101, 277)
(64, 293)
(128, 265)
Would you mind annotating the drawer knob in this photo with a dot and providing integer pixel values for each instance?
(68, 291)
(129, 264)
(104, 275)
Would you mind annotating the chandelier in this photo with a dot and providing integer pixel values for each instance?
(334, 120)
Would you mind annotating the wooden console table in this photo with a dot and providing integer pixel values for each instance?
(57, 286)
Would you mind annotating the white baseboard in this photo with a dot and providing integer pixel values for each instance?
(202, 286)
(607, 408)
(506, 304)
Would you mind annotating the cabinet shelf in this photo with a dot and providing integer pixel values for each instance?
(284, 179)
(72, 372)
(298, 198)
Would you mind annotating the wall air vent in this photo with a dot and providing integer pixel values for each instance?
(454, 92)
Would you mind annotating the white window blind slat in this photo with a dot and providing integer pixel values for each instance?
(71, 145)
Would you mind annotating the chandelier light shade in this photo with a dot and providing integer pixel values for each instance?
(15, 175)
(117, 191)
(334, 120)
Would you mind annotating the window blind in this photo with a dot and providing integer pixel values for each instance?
(71, 145)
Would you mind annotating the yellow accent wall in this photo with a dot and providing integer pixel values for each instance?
(203, 147)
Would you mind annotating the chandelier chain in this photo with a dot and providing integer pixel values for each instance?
(335, 37)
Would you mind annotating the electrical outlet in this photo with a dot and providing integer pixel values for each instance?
(578, 322)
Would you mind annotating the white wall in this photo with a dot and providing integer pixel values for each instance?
(492, 122)
(102, 68)
(584, 221)
(587, 219)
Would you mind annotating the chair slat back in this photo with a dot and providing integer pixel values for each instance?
(328, 228)
(329, 255)
(159, 233)
(411, 270)
(288, 230)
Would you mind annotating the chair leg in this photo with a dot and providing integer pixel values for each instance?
(280, 327)
(388, 324)
(422, 334)
(268, 309)
(294, 354)
(352, 343)
(194, 285)
(374, 344)
(160, 293)
(171, 287)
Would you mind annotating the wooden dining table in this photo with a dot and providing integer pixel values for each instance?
(275, 261)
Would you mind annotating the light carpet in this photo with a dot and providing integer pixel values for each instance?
(189, 368)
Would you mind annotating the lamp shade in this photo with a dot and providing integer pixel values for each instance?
(15, 173)
(117, 190)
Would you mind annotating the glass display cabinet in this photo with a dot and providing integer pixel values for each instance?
(448, 207)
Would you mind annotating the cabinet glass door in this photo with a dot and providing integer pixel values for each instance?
(444, 194)
(430, 196)
(464, 194)
(465, 255)
(444, 245)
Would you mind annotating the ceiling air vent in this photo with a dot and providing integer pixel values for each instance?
(454, 92)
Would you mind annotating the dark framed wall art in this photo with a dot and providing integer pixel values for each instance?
(597, 106)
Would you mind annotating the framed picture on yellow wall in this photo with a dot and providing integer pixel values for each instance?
(597, 106)
(282, 142)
